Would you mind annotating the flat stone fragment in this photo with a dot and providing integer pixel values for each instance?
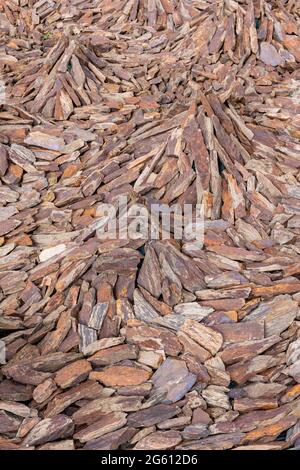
(3, 160)
(176, 423)
(97, 316)
(228, 279)
(294, 371)
(150, 337)
(236, 352)
(270, 431)
(263, 447)
(73, 374)
(52, 252)
(292, 43)
(26, 426)
(192, 347)
(8, 226)
(114, 354)
(195, 431)
(219, 442)
(142, 390)
(224, 304)
(277, 314)
(60, 402)
(203, 335)
(17, 409)
(269, 55)
(217, 373)
(149, 275)
(291, 394)
(151, 358)
(293, 352)
(101, 344)
(264, 390)
(88, 336)
(108, 423)
(120, 376)
(10, 390)
(242, 331)
(277, 289)
(153, 415)
(45, 140)
(6, 444)
(248, 404)
(54, 361)
(97, 407)
(173, 378)
(112, 440)
(160, 440)
(43, 391)
(200, 417)
(142, 433)
(216, 395)
(50, 429)
(67, 444)
(240, 373)
(234, 293)
(192, 310)
(6, 213)
(8, 423)
(293, 433)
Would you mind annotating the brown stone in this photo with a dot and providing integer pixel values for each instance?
(112, 440)
(203, 335)
(120, 376)
(50, 429)
(172, 379)
(96, 408)
(108, 423)
(43, 391)
(160, 440)
(153, 415)
(73, 374)
(114, 354)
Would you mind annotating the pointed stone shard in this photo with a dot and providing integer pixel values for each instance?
(149, 275)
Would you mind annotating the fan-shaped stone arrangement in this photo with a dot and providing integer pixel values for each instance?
(149, 343)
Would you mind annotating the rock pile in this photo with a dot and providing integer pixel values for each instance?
(139, 343)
